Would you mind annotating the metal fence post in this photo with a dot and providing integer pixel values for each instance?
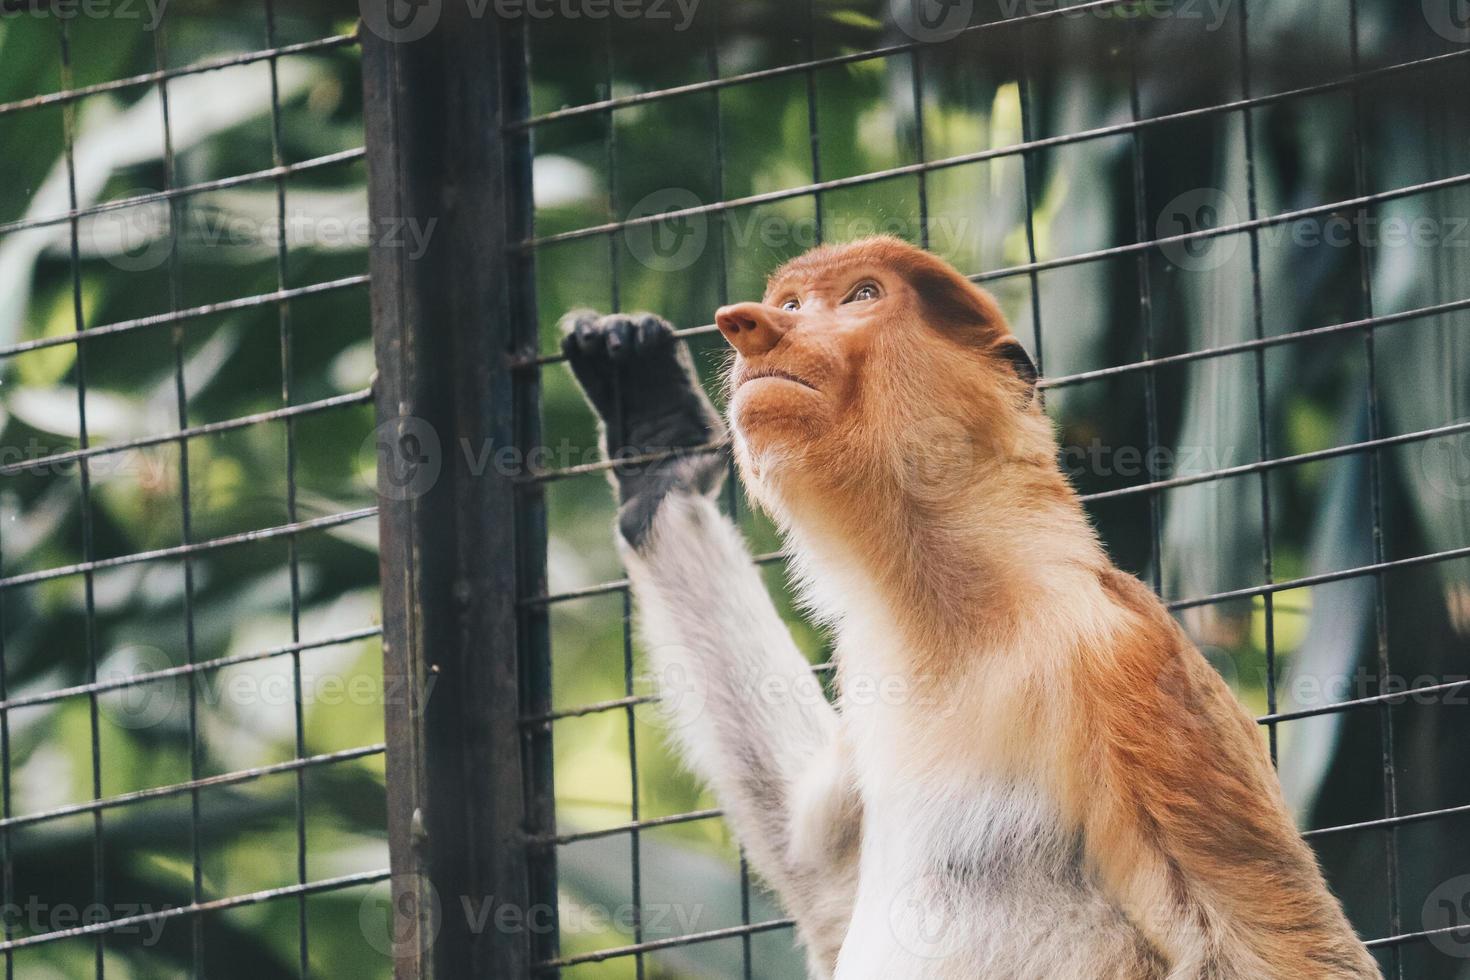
(439, 79)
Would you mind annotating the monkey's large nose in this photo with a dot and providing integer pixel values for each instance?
(752, 328)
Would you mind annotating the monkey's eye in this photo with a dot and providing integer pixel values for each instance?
(864, 292)
(791, 304)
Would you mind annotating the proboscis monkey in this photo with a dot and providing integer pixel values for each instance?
(1029, 772)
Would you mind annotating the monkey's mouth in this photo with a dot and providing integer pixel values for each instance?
(769, 372)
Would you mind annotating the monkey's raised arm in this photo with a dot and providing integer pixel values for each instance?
(741, 700)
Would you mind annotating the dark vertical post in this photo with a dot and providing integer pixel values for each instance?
(439, 80)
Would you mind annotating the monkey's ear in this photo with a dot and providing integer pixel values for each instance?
(1011, 352)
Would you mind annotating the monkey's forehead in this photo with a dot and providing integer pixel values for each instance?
(828, 262)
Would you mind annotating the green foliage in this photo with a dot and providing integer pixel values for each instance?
(1059, 77)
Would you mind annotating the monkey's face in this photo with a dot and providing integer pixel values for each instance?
(868, 360)
(800, 354)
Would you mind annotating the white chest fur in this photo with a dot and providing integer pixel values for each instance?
(984, 882)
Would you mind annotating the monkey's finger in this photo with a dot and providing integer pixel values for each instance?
(569, 346)
(580, 333)
(618, 334)
(652, 331)
(570, 319)
(575, 321)
(588, 336)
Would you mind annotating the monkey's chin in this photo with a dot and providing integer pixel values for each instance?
(776, 415)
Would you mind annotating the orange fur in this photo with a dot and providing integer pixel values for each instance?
(1189, 798)
(893, 438)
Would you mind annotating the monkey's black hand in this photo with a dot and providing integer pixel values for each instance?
(641, 383)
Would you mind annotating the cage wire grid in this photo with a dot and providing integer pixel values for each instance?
(177, 319)
(538, 718)
(1138, 129)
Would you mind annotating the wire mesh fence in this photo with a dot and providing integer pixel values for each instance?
(189, 687)
(1232, 235)
(1121, 175)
